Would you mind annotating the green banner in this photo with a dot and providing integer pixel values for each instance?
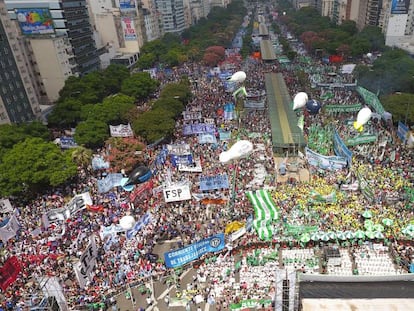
(316, 197)
(251, 304)
(343, 108)
(371, 99)
(361, 139)
(295, 230)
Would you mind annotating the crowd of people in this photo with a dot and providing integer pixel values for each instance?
(232, 277)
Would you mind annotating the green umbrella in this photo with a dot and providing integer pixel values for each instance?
(359, 234)
(378, 227)
(341, 236)
(378, 235)
(370, 234)
(305, 238)
(324, 236)
(408, 231)
(387, 222)
(368, 224)
(315, 236)
(349, 235)
(367, 214)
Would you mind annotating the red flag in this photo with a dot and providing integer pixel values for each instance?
(9, 272)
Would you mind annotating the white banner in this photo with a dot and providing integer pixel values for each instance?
(84, 269)
(122, 130)
(237, 234)
(182, 149)
(209, 121)
(5, 206)
(192, 115)
(76, 204)
(10, 229)
(177, 193)
(195, 167)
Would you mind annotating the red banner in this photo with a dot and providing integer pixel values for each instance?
(9, 272)
(335, 58)
(140, 189)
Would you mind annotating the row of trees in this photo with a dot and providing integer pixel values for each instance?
(390, 75)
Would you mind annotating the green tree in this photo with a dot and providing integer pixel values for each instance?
(170, 104)
(113, 110)
(91, 133)
(65, 114)
(180, 91)
(113, 76)
(401, 106)
(146, 61)
(11, 134)
(139, 85)
(81, 156)
(154, 125)
(32, 165)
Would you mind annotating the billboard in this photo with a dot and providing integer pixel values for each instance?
(400, 6)
(35, 21)
(129, 29)
(127, 5)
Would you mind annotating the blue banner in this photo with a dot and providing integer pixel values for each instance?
(179, 257)
(402, 131)
(214, 182)
(200, 128)
(98, 163)
(110, 181)
(224, 135)
(208, 138)
(67, 142)
(341, 149)
(141, 223)
(229, 111)
(181, 159)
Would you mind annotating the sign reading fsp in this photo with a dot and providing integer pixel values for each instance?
(177, 193)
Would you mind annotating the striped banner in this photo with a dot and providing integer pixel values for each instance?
(265, 212)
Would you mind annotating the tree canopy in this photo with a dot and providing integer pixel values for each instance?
(139, 85)
(32, 165)
(91, 133)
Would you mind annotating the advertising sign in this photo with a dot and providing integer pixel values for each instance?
(129, 29)
(400, 6)
(177, 193)
(127, 5)
(179, 257)
(35, 21)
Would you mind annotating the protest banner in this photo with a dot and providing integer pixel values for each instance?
(84, 269)
(9, 272)
(177, 193)
(220, 181)
(122, 130)
(179, 257)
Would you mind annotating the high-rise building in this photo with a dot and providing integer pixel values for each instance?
(55, 18)
(18, 100)
(172, 15)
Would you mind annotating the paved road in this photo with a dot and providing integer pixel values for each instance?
(160, 289)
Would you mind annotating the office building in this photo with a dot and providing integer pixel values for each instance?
(18, 100)
(172, 15)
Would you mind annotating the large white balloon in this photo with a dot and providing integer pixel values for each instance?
(300, 100)
(127, 222)
(363, 116)
(240, 149)
(238, 76)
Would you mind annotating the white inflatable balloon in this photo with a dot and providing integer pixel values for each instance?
(300, 100)
(127, 222)
(238, 76)
(240, 149)
(363, 116)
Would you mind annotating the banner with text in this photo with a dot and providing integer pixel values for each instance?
(343, 108)
(201, 128)
(207, 138)
(177, 193)
(330, 163)
(84, 269)
(191, 115)
(214, 182)
(402, 132)
(122, 130)
(194, 167)
(9, 272)
(141, 190)
(361, 139)
(179, 257)
(9, 229)
(5, 206)
(179, 149)
(371, 99)
(141, 223)
(176, 160)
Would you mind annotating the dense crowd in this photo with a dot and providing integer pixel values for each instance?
(52, 252)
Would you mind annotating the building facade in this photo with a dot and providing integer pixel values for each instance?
(18, 100)
(172, 15)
